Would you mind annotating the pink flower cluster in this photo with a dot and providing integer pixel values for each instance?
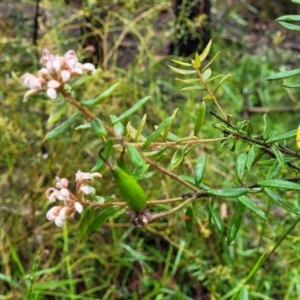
(70, 203)
(56, 72)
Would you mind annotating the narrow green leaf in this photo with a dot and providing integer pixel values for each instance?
(289, 26)
(133, 133)
(181, 63)
(274, 170)
(216, 218)
(244, 294)
(199, 211)
(189, 219)
(178, 157)
(251, 155)
(235, 222)
(99, 220)
(62, 128)
(267, 130)
(208, 99)
(221, 82)
(279, 155)
(229, 192)
(83, 126)
(280, 184)
(197, 64)
(82, 79)
(132, 109)
(207, 74)
(291, 85)
(200, 168)
(105, 154)
(58, 111)
(279, 201)
(118, 126)
(155, 134)
(97, 127)
(247, 202)
(183, 72)
(289, 18)
(156, 152)
(284, 74)
(191, 80)
(240, 166)
(200, 118)
(135, 157)
(167, 129)
(193, 88)
(101, 97)
(140, 128)
(211, 61)
(205, 52)
(85, 221)
(283, 136)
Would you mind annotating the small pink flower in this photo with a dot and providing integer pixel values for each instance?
(78, 207)
(80, 176)
(52, 93)
(61, 183)
(53, 212)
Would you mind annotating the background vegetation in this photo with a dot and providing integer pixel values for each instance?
(162, 260)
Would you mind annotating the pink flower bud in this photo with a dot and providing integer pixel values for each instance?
(53, 84)
(53, 212)
(58, 222)
(78, 207)
(51, 93)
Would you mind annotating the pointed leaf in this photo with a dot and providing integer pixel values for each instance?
(279, 155)
(207, 74)
(284, 74)
(289, 18)
(140, 128)
(194, 88)
(62, 128)
(267, 130)
(289, 26)
(155, 135)
(280, 184)
(235, 222)
(279, 201)
(133, 132)
(105, 154)
(197, 63)
(191, 80)
(251, 155)
(247, 202)
(211, 61)
(228, 193)
(284, 136)
(132, 109)
(101, 97)
(221, 82)
(167, 129)
(183, 72)
(240, 166)
(205, 52)
(181, 63)
(291, 85)
(97, 127)
(118, 126)
(200, 168)
(216, 218)
(99, 220)
(58, 111)
(274, 170)
(135, 157)
(178, 157)
(200, 118)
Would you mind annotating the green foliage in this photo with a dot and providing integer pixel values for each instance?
(222, 180)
